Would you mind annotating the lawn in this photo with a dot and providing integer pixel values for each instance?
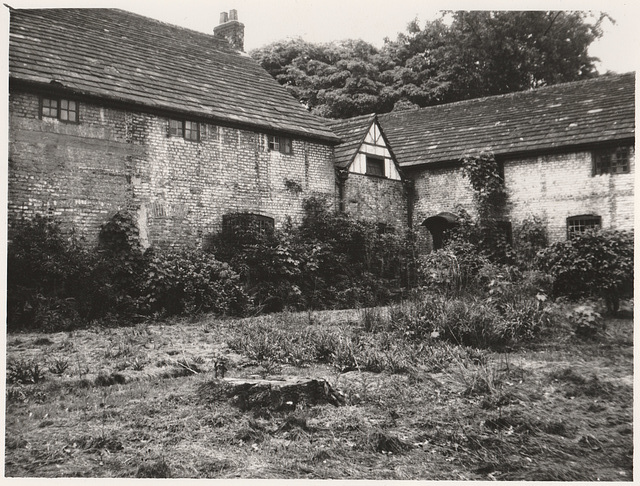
(139, 402)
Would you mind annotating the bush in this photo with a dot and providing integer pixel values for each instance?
(329, 261)
(189, 282)
(529, 237)
(591, 264)
(46, 270)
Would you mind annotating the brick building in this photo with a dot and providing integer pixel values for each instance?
(110, 110)
(566, 151)
(370, 183)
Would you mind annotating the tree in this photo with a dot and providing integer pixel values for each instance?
(458, 56)
(464, 55)
(335, 80)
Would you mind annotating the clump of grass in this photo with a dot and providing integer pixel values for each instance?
(109, 379)
(154, 469)
(59, 366)
(24, 372)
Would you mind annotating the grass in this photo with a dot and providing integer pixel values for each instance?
(126, 402)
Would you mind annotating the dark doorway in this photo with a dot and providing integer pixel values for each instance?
(436, 226)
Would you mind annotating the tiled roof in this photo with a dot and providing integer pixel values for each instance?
(549, 118)
(352, 131)
(126, 57)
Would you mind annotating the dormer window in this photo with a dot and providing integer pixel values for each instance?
(59, 108)
(189, 130)
(280, 144)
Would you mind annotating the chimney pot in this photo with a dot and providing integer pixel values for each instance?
(230, 29)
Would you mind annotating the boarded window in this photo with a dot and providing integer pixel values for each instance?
(375, 166)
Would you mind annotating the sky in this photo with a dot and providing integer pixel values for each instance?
(267, 21)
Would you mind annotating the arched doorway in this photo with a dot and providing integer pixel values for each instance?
(437, 224)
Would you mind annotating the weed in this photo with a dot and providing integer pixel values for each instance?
(137, 365)
(24, 372)
(59, 366)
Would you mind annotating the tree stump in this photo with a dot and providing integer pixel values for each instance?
(277, 395)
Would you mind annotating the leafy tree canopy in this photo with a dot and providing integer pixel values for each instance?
(458, 56)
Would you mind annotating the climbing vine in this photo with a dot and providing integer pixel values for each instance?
(483, 173)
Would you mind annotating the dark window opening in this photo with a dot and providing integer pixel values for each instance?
(614, 160)
(246, 226)
(280, 144)
(385, 229)
(62, 109)
(375, 166)
(580, 224)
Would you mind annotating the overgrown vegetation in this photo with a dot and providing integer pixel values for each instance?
(54, 282)
(329, 261)
(592, 264)
(414, 404)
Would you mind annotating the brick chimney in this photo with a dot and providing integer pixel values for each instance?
(230, 29)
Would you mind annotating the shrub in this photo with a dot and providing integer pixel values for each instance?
(190, 281)
(593, 263)
(529, 237)
(587, 323)
(329, 261)
(24, 372)
(46, 270)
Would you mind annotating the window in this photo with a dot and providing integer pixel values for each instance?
(375, 166)
(280, 144)
(580, 224)
(189, 130)
(244, 226)
(614, 160)
(59, 108)
(385, 229)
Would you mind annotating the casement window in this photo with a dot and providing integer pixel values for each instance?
(614, 160)
(280, 144)
(375, 166)
(582, 223)
(59, 108)
(189, 130)
(246, 224)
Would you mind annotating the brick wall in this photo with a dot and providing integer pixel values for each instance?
(550, 186)
(559, 186)
(179, 189)
(376, 199)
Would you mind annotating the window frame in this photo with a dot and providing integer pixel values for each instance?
(178, 129)
(594, 218)
(279, 143)
(615, 158)
(237, 223)
(59, 109)
(374, 160)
